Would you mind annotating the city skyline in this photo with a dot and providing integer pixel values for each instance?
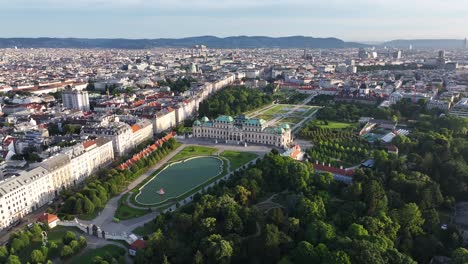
(362, 20)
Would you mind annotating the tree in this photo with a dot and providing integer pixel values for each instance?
(13, 259)
(37, 256)
(88, 206)
(410, 219)
(319, 232)
(75, 246)
(82, 241)
(459, 256)
(198, 258)
(208, 225)
(338, 257)
(3, 254)
(357, 231)
(309, 210)
(68, 237)
(66, 252)
(36, 230)
(217, 249)
(374, 196)
(16, 245)
(242, 195)
(304, 253)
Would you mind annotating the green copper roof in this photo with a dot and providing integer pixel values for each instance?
(255, 122)
(285, 126)
(275, 130)
(224, 119)
(197, 123)
(205, 119)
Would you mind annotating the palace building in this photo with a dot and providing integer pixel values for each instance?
(242, 129)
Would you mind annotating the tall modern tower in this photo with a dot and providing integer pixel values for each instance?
(465, 44)
(77, 100)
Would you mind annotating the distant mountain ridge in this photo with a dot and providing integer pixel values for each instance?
(210, 41)
(426, 43)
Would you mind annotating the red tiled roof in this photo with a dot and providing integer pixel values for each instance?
(135, 128)
(89, 143)
(47, 218)
(139, 244)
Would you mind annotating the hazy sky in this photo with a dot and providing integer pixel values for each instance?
(352, 20)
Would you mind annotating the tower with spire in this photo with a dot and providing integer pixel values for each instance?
(465, 44)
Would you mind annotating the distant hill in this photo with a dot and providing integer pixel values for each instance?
(426, 43)
(210, 41)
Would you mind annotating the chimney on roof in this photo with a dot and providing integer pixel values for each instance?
(329, 165)
(341, 167)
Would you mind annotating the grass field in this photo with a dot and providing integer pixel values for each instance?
(107, 250)
(178, 179)
(335, 125)
(125, 212)
(193, 151)
(278, 109)
(237, 158)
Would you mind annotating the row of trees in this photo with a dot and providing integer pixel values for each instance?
(24, 240)
(98, 190)
(233, 100)
(350, 112)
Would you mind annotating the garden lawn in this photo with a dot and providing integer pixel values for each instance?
(88, 257)
(238, 159)
(193, 151)
(265, 117)
(125, 212)
(279, 109)
(335, 125)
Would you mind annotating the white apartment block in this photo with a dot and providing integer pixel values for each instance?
(242, 129)
(77, 100)
(89, 156)
(120, 133)
(30, 189)
(22, 194)
(142, 131)
(164, 120)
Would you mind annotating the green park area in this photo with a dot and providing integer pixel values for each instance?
(238, 159)
(187, 172)
(292, 114)
(333, 125)
(105, 254)
(337, 143)
(193, 151)
(26, 246)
